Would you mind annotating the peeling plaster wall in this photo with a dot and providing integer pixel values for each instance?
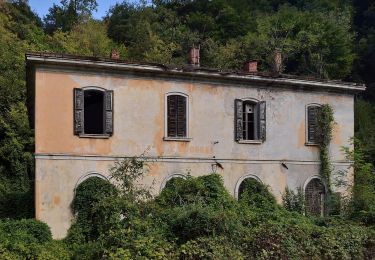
(139, 117)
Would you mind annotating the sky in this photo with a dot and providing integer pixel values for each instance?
(41, 6)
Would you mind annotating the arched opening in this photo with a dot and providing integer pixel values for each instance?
(171, 180)
(315, 197)
(253, 192)
(249, 185)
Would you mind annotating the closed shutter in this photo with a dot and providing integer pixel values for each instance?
(108, 104)
(238, 111)
(312, 124)
(181, 116)
(262, 120)
(78, 111)
(176, 116)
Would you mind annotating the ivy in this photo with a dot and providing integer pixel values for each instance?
(325, 121)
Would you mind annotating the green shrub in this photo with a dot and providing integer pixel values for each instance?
(23, 238)
(294, 200)
(255, 194)
(210, 248)
(87, 196)
(207, 190)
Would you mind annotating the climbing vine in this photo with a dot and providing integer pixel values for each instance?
(325, 122)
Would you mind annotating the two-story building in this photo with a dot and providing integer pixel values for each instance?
(88, 112)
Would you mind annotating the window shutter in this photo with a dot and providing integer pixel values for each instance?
(262, 120)
(171, 116)
(108, 104)
(238, 106)
(312, 123)
(181, 116)
(78, 111)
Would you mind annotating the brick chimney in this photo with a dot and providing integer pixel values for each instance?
(251, 66)
(115, 54)
(194, 58)
(277, 61)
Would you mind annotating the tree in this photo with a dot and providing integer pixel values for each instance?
(67, 14)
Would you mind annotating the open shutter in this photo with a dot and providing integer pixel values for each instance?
(181, 116)
(262, 120)
(238, 107)
(108, 103)
(312, 124)
(78, 111)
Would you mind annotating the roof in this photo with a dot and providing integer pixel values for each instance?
(191, 72)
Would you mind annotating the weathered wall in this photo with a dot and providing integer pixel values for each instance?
(63, 158)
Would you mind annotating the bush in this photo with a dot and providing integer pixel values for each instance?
(88, 194)
(23, 238)
(256, 194)
(206, 190)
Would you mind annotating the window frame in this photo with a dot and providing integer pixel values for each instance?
(187, 109)
(104, 135)
(259, 140)
(307, 141)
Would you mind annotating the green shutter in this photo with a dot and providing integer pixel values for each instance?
(78, 101)
(108, 104)
(238, 111)
(262, 120)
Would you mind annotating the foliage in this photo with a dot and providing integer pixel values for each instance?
(363, 201)
(294, 200)
(67, 14)
(325, 122)
(29, 239)
(256, 194)
(87, 195)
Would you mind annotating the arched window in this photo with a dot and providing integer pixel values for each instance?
(243, 182)
(312, 112)
(249, 185)
(93, 111)
(171, 179)
(250, 120)
(177, 115)
(315, 197)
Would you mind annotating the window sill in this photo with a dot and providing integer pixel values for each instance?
(94, 136)
(249, 141)
(177, 139)
(311, 144)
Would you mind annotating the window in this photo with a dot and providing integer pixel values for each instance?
(250, 120)
(93, 112)
(315, 197)
(312, 134)
(177, 118)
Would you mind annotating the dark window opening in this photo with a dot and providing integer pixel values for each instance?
(176, 116)
(94, 112)
(315, 197)
(249, 122)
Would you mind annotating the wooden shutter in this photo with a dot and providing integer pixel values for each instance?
(238, 111)
(181, 116)
(108, 113)
(78, 111)
(312, 124)
(262, 120)
(176, 116)
(171, 116)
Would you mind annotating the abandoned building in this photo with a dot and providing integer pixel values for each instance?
(88, 112)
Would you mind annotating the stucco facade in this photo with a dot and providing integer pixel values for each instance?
(63, 159)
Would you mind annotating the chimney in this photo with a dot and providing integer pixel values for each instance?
(194, 58)
(115, 54)
(251, 66)
(277, 61)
